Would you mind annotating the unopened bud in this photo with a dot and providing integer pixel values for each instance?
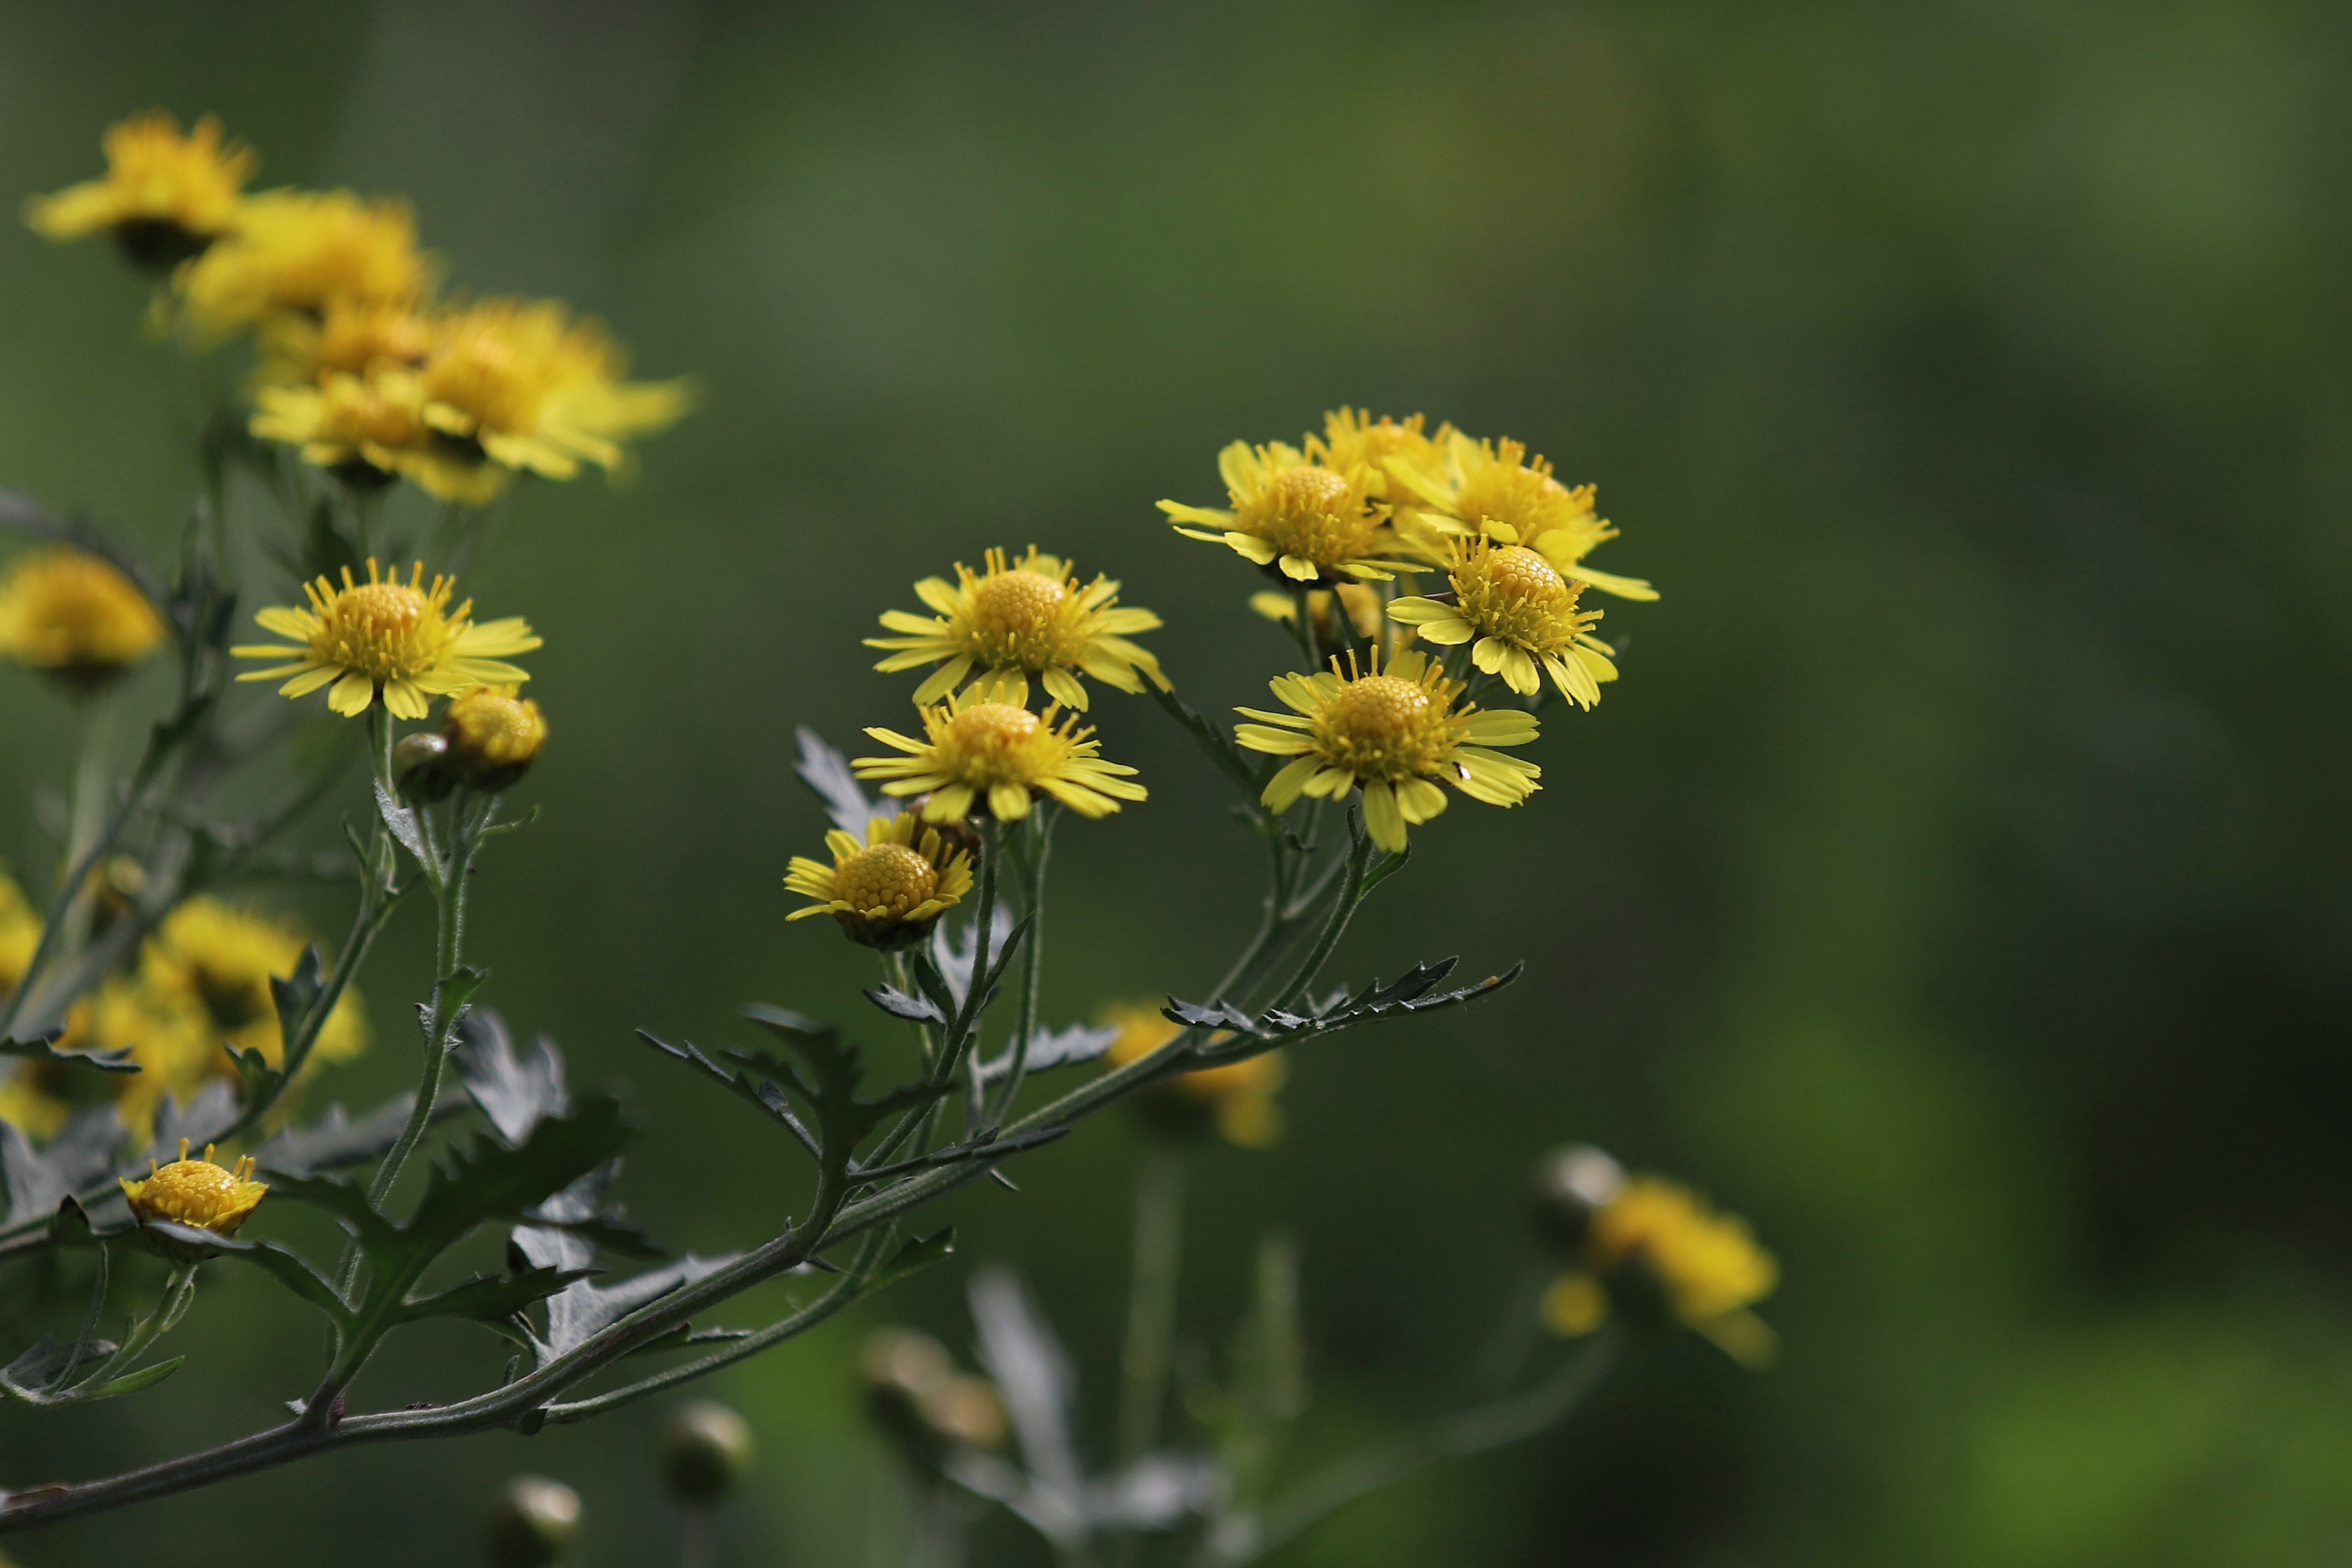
(705, 1451)
(533, 1523)
(1570, 1184)
(418, 767)
(492, 736)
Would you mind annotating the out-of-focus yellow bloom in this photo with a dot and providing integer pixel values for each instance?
(538, 392)
(213, 962)
(1498, 489)
(352, 338)
(197, 1193)
(301, 251)
(389, 639)
(1706, 1265)
(1525, 617)
(1309, 521)
(1352, 436)
(889, 891)
(1013, 622)
(1361, 605)
(978, 752)
(75, 615)
(371, 429)
(164, 196)
(1396, 734)
(1234, 1097)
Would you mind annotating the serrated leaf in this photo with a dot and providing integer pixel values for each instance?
(295, 995)
(953, 956)
(835, 1071)
(335, 1140)
(494, 1298)
(209, 1112)
(81, 1155)
(42, 1048)
(828, 773)
(481, 1179)
(348, 1205)
(515, 1089)
(279, 1262)
(898, 1004)
(1055, 1048)
(761, 1093)
(253, 1070)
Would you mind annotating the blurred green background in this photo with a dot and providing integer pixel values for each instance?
(1955, 883)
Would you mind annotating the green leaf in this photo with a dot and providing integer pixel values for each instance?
(914, 1257)
(283, 1265)
(482, 1180)
(348, 1205)
(82, 1153)
(42, 1048)
(830, 1084)
(494, 1298)
(515, 1089)
(131, 1382)
(335, 1140)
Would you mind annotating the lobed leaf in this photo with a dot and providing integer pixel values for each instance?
(515, 1090)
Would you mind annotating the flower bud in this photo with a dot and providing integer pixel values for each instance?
(492, 736)
(1570, 1184)
(533, 1523)
(705, 1451)
(966, 1410)
(419, 766)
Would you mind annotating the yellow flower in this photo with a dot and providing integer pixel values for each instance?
(1030, 618)
(1395, 734)
(493, 736)
(301, 251)
(1496, 489)
(1352, 436)
(352, 338)
(389, 639)
(214, 962)
(1235, 1097)
(165, 195)
(536, 391)
(977, 752)
(197, 1193)
(889, 891)
(370, 430)
(75, 615)
(1310, 521)
(1706, 1266)
(1523, 614)
(1360, 604)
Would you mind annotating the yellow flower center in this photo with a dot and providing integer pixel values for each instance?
(1385, 727)
(992, 734)
(1515, 594)
(1312, 513)
(196, 1193)
(387, 631)
(1017, 619)
(1518, 573)
(891, 877)
(489, 729)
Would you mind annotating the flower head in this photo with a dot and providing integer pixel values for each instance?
(888, 891)
(1015, 621)
(978, 751)
(213, 962)
(1352, 436)
(1498, 491)
(1396, 734)
(385, 638)
(164, 198)
(1312, 520)
(197, 1193)
(1236, 1099)
(493, 736)
(1525, 617)
(370, 429)
(350, 336)
(300, 251)
(1705, 1268)
(75, 615)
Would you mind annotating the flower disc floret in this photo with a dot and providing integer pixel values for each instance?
(389, 640)
(1015, 622)
(1396, 734)
(1706, 1265)
(196, 1193)
(1524, 617)
(76, 616)
(164, 196)
(1309, 521)
(978, 751)
(1498, 491)
(888, 891)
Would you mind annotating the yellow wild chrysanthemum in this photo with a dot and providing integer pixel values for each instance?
(536, 391)
(1498, 489)
(492, 735)
(300, 251)
(1396, 734)
(164, 196)
(888, 891)
(386, 640)
(1524, 617)
(351, 337)
(1013, 622)
(75, 615)
(197, 1193)
(980, 753)
(213, 962)
(1706, 1266)
(1352, 436)
(1307, 520)
(1234, 1097)
(370, 430)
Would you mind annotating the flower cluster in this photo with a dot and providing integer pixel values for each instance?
(362, 365)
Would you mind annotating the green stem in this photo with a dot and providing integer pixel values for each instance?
(1151, 1300)
(93, 716)
(1039, 830)
(1352, 895)
(441, 1025)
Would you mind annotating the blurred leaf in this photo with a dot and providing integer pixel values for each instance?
(827, 772)
(1034, 1373)
(82, 1153)
(514, 1091)
(335, 1141)
(584, 1307)
(761, 1092)
(209, 1112)
(914, 1257)
(1055, 1048)
(898, 1004)
(42, 1049)
(953, 957)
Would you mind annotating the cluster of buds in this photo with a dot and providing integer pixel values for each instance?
(488, 740)
(923, 1403)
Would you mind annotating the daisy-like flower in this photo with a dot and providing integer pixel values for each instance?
(1706, 1265)
(978, 752)
(536, 391)
(370, 431)
(1496, 488)
(75, 615)
(389, 640)
(888, 891)
(1352, 436)
(164, 198)
(1234, 1098)
(351, 337)
(300, 251)
(1013, 622)
(1525, 617)
(212, 963)
(1309, 521)
(197, 1193)
(1396, 734)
